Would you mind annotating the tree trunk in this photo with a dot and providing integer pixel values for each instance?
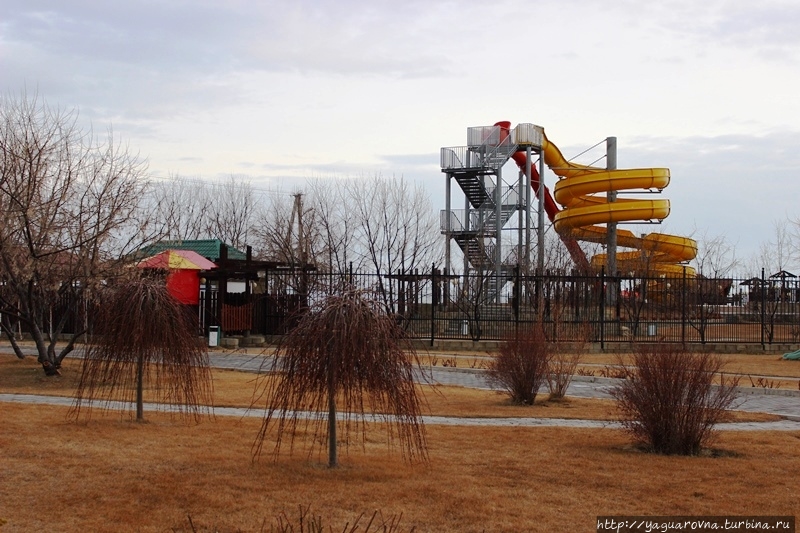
(140, 388)
(12, 339)
(46, 357)
(333, 461)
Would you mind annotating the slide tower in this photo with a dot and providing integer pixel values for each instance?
(584, 206)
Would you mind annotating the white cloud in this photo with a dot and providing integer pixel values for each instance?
(283, 90)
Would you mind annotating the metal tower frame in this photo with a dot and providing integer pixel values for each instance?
(490, 202)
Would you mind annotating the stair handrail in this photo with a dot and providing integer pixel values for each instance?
(456, 224)
(499, 153)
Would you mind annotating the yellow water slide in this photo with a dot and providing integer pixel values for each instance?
(582, 190)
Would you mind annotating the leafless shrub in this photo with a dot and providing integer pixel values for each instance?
(669, 401)
(477, 363)
(451, 362)
(764, 383)
(349, 352)
(585, 372)
(143, 333)
(560, 371)
(565, 359)
(614, 372)
(520, 367)
(307, 521)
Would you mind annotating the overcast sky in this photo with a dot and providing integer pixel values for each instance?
(282, 91)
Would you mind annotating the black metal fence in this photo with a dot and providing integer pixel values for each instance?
(598, 308)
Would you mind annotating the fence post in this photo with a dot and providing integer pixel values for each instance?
(434, 302)
(683, 310)
(763, 307)
(517, 298)
(603, 308)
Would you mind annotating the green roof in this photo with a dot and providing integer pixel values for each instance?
(208, 248)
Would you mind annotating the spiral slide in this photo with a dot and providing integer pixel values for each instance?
(582, 191)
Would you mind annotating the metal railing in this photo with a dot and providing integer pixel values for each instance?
(528, 134)
(486, 149)
(433, 305)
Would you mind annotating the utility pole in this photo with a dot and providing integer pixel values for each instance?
(302, 242)
(296, 251)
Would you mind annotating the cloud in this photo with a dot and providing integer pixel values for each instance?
(286, 90)
(767, 28)
(429, 160)
(733, 185)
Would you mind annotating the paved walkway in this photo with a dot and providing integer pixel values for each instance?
(784, 403)
(240, 412)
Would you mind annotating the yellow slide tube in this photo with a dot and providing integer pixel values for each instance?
(582, 191)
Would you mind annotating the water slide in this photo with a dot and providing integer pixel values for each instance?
(582, 190)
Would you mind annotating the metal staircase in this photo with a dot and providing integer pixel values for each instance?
(474, 186)
(477, 170)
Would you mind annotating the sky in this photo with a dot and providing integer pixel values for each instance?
(278, 92)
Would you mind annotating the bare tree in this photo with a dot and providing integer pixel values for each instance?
(342, 355)
(144, 334)
(776, 253)
(471, 295)
(794, 238)
(232, 210)
(286, 231)
(182, 206)
(557, 258)
(190, 208)
(634, 289)
(396, 227)
(70, 211)
(774, 257)
(716, 256)
(334, 226)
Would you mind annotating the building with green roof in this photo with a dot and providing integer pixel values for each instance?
(209, 248)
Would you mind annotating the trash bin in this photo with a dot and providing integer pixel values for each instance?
(213, 336)
(652, 330)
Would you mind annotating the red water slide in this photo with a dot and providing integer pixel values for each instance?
(550, 206)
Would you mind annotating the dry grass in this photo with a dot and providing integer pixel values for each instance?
(236, 389)
(744, 365)
(479, 478)
(113, 475)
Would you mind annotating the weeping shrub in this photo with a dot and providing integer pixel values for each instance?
(142, 334)
(344, 356)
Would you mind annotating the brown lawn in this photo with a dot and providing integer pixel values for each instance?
(113, 474)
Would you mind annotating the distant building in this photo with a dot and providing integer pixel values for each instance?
(211, 249)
